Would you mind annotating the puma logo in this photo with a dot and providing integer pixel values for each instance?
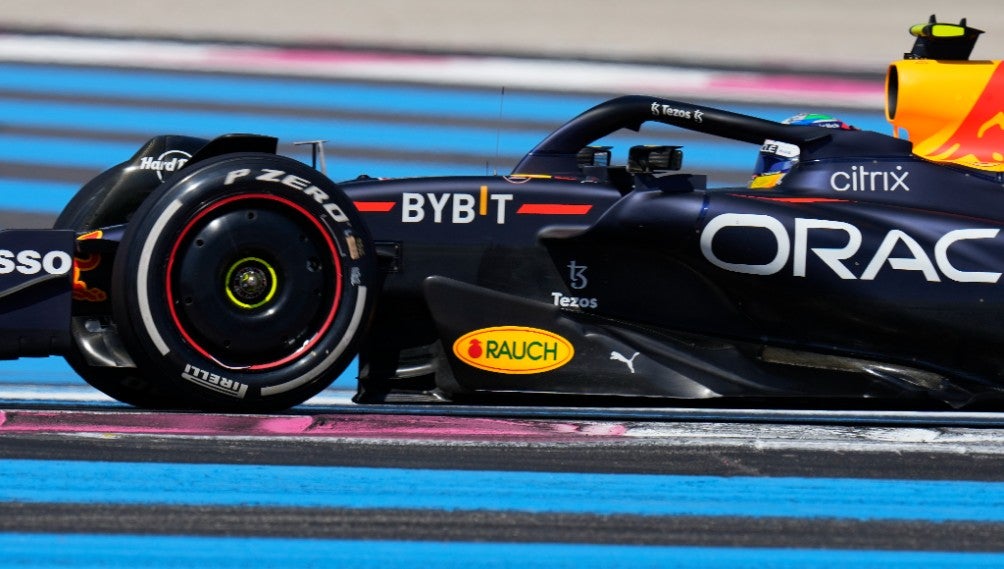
(620, 357)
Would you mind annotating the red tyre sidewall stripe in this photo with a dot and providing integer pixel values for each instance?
(334, 257)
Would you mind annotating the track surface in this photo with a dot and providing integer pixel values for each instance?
(96, 484)
(463, 491)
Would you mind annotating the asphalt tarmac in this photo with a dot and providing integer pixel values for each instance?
(651, 456)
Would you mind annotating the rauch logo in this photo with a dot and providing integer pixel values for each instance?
(513, 350)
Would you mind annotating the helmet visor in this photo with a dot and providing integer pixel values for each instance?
(772, 164)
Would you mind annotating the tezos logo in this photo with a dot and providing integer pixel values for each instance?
(574, 301)
(663, 110)
(170, 161)
(577, 275)
(577, 280)
(513, 350)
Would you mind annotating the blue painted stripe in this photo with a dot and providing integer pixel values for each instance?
(295, 93)
(149, 121)
(126, 551)
(347, 132)
(65, 152)
(50, 371)
(99, 155)
(35, 196)
(346, 95)
(667, 495)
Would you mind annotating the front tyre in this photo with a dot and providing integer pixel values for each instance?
(96, 205)
(246, 284)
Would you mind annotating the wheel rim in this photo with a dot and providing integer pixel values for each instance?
(249, 281)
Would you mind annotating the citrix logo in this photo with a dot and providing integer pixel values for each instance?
(860, 179)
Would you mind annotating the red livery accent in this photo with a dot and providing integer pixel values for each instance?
(792, 200)
(554, 209)
(380, 207)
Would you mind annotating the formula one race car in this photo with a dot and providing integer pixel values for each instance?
(219, 275)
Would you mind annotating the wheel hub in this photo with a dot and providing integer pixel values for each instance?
(251, 283)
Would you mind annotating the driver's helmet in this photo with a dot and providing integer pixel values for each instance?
(776, 158)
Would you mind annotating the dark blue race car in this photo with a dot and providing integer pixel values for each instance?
(215, 274)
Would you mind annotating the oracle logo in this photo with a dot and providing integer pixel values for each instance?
(933, 264)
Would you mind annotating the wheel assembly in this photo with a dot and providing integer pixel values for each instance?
(246, 284)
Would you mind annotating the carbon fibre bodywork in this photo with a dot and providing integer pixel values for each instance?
(865, 274)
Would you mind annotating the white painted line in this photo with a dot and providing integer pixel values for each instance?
(835, 438)
(453, 70)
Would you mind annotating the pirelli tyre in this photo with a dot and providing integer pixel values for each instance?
(246, 284)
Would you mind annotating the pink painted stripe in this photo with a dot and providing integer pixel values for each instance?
(348, 425)
(311, 57)
(464, 70)
(765, 83)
